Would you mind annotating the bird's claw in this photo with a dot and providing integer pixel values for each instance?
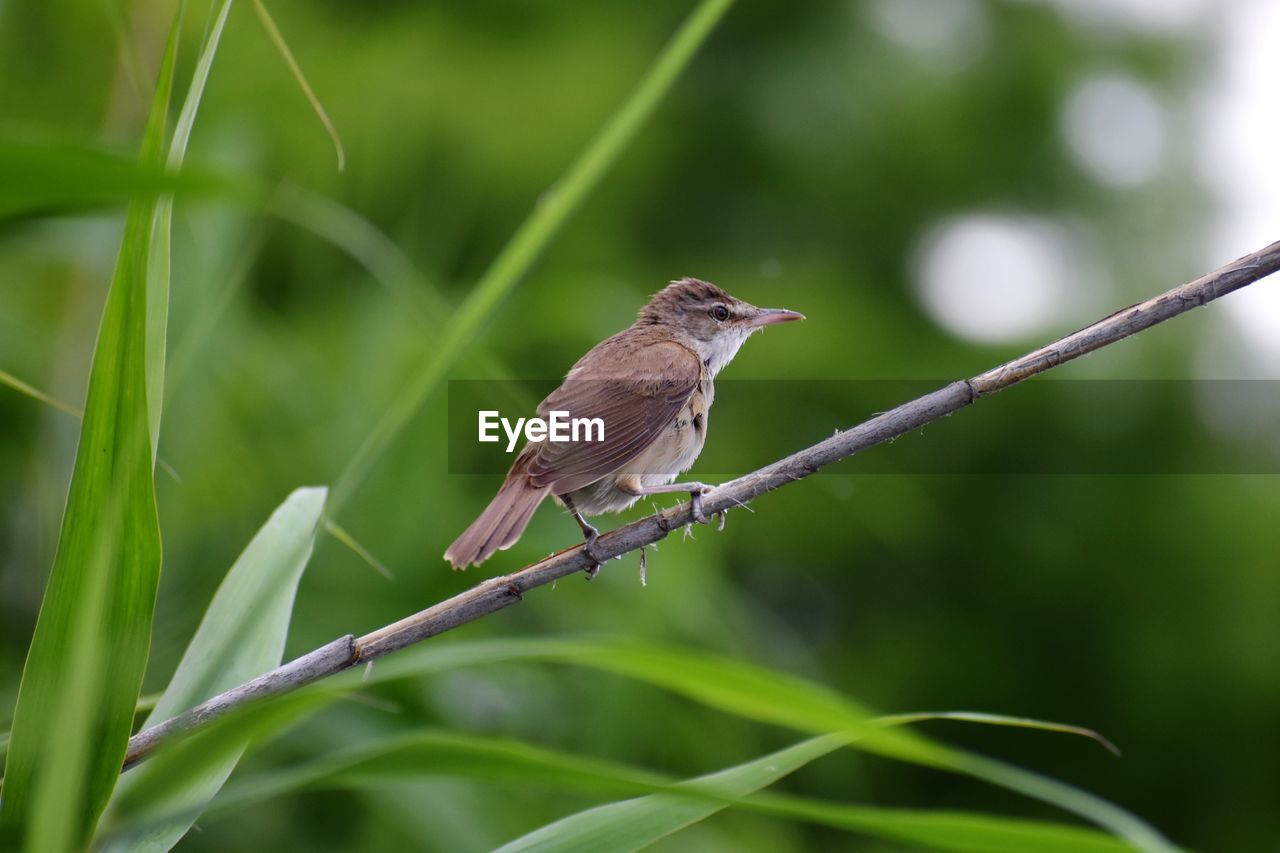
(589, 548)
(695, 504)
(695, 507)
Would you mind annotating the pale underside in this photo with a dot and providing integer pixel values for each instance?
(653, 403)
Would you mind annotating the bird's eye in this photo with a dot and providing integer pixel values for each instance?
(720, 313)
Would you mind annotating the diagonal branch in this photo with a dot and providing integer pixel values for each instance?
(496, 593)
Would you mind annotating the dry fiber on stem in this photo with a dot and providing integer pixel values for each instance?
(499, 592)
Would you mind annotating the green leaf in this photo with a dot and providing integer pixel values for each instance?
(277, 39)
(735, 687)
(750, 692)
(145, 703)
(392, 761)
(58, 799)
(84, 671)
(158, 289)
(637, 823)
(988, 719)
(34, 393)
(151, 806)
(943, 830)
(634, 824)
(241, 636)
(746, 691)
(440, 753)
(45, 176)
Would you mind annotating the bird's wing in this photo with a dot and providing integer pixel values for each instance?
(637, 391)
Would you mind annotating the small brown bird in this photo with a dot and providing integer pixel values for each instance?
(651, 385)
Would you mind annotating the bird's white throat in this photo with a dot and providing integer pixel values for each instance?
(721, 349)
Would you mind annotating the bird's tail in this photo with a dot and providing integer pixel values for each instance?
(502, 521)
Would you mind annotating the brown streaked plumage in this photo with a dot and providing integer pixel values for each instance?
(652, 384)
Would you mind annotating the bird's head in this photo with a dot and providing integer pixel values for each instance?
(709, 320)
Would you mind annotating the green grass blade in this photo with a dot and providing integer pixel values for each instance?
(110, 511)
(987, 719)
(942, 830)
(337, 532)
(34, 393)
(731, 686)
(1111, 817)
(756, 694)
(441, 753)
(394, 760)
(241, 636)
(425, 306)
(529, 240)
(635, 824)
(277, 39)
(158, 287)
(243, 632)
(753, 693)
(388, 264)
(58, 800)
(41, 177)
(727, 685)
(144, 704)
(160, 799)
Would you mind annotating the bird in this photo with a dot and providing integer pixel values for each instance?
(651, 385)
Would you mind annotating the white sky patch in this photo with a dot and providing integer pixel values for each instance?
(1115, 130)
(1170, 17)
(994, 278)
(946, 34)
(1240, 137)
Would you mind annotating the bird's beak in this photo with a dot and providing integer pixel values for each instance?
(770, 316)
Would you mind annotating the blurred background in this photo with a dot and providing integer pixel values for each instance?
(938, 184)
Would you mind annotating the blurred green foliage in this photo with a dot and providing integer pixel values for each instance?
(798, 162)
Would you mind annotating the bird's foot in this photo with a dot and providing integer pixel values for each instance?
(695, 504)
(590, 535)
